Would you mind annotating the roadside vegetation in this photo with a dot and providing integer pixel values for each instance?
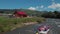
(50, 14)
(8, 24)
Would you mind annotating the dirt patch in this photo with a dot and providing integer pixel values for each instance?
(30, 23)
(23, 24)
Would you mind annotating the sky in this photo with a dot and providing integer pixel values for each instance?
(42, 5)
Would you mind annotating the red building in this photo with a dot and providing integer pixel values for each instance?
(20, 14)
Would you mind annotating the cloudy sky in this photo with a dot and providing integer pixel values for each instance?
(31, 4)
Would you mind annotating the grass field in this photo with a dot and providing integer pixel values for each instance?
(6, 24)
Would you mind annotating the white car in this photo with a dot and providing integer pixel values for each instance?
(43, 30)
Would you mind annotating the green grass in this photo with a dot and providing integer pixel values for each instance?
(6, 24)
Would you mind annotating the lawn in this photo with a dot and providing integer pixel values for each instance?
(7, 24)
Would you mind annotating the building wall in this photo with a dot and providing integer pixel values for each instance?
(20, 15)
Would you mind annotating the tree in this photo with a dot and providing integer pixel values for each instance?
(56, 12)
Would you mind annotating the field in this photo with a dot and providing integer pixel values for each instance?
(8, 24)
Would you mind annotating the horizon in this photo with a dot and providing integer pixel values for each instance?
(31, 10)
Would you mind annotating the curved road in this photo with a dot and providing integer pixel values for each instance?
(54, 23)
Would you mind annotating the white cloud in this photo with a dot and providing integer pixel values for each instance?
(41, 6)
(32, 8)
(37, 7)
(54, 5)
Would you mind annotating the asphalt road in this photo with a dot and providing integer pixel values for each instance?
(54, 23)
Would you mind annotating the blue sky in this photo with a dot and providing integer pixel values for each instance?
(30, 4)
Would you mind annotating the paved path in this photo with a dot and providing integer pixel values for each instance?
(30, 29)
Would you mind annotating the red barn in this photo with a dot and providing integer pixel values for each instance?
(20, 14)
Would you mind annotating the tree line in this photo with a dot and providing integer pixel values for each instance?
(46, 14)
(50, 14)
